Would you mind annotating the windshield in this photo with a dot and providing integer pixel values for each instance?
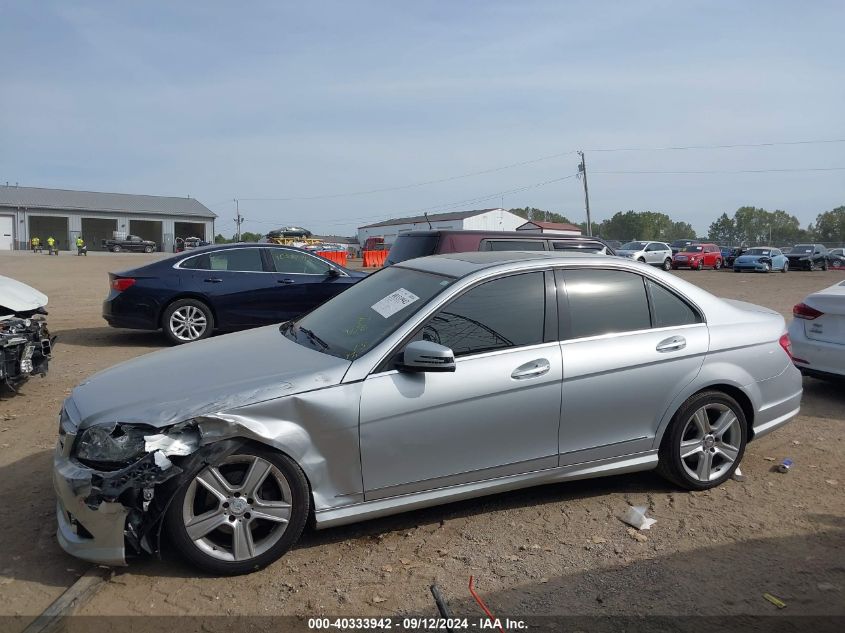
(633, 246)
(692, 248)
(803, 248)
(360, 318)
(410, 247)
(758, 251)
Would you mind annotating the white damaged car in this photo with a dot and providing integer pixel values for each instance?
(25, 343)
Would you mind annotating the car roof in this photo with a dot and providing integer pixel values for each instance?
(499, 234)
(463, 264)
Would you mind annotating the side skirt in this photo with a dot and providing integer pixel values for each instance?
(413, 501)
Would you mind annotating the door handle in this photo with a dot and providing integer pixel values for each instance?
(284, 281)
(671, 344)
(531, 370)
(213, 280)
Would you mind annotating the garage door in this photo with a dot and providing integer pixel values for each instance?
(95, 230)
(6, 224)
(44, 226)
(147, 230)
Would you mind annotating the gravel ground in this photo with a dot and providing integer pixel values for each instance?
(556, 549)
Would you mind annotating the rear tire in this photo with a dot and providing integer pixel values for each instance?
(667, 264)
(709, 426)
(718, 264)
(785, 268)
(187, 320)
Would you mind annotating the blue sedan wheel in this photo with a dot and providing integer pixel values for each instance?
(767, 267)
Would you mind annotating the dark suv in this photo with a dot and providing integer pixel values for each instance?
(415, 244)
(807, 257)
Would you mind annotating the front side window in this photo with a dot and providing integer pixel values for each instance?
(498, 314)
(633, 246)
(238, 260)
(295, 262)
(514, 245)
(668, 309)
(605, 301)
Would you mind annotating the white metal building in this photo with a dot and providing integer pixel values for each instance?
(27, 212)
(479, 220)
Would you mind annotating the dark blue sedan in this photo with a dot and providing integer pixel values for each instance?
(224, 287)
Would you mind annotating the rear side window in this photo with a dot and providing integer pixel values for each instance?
(669, 309)
(513, 245)
(238, 260)
(498, 314)
(606, 301)
(412, 246)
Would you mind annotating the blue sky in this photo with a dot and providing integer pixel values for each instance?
(288, 100)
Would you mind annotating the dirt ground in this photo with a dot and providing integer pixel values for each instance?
(557, 549)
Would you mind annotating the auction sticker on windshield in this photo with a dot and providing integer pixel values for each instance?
(394, 302)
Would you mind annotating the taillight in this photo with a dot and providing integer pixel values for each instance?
(122, 283)
(786, 344)
(803, 311)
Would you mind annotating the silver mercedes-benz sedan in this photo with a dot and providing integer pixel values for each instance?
(433, 380)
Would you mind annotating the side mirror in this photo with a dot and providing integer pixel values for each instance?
(423, 356)
(333, 272)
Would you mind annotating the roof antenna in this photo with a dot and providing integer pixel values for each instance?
(427, 220)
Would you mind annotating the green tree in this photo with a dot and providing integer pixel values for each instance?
(220, 239)
(830, 226)
(647, 225)
(246, 236)
(532, 213)
(723, 230)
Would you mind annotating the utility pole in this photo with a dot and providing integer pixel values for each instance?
(582, 170)
(238, 220)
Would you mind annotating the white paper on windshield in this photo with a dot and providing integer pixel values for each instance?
(394, 302)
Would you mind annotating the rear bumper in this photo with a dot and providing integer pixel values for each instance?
(122, 312)
(813, 357)
(781, 401)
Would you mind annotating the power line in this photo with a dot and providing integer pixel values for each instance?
(412, 185)
(538, 160)
(732, 146)
(719, 171)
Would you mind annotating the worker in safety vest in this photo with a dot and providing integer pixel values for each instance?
(80, 246)
(51, 245)
(36, 244)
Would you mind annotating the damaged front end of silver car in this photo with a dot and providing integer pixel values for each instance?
(115, 482)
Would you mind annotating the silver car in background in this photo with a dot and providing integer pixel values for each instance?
(434, 380)
(654, 253)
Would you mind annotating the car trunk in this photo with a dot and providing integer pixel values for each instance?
(830, 326)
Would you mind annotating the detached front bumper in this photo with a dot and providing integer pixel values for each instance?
(94, 534)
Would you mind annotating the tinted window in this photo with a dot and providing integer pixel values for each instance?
(513, 245)
(507, 312)
(669, 309)
(605, 301)
(239, 259)
(412, 246)
(296, 262)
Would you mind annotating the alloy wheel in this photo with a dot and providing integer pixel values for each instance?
(766, 267)
(710, 442)
(188, 323)
(238, 510)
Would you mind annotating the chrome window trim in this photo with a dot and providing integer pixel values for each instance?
(178, 265)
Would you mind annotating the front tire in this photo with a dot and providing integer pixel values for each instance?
(704, 443)
(240, 513)
(148, 249)
(116, 249)
(187, 320)
(718, 264)
(767, 267)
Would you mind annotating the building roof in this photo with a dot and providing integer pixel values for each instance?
(552, 226)
(38, 198)
(433, 217)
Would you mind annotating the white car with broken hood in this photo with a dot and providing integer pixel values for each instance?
(25, 342)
